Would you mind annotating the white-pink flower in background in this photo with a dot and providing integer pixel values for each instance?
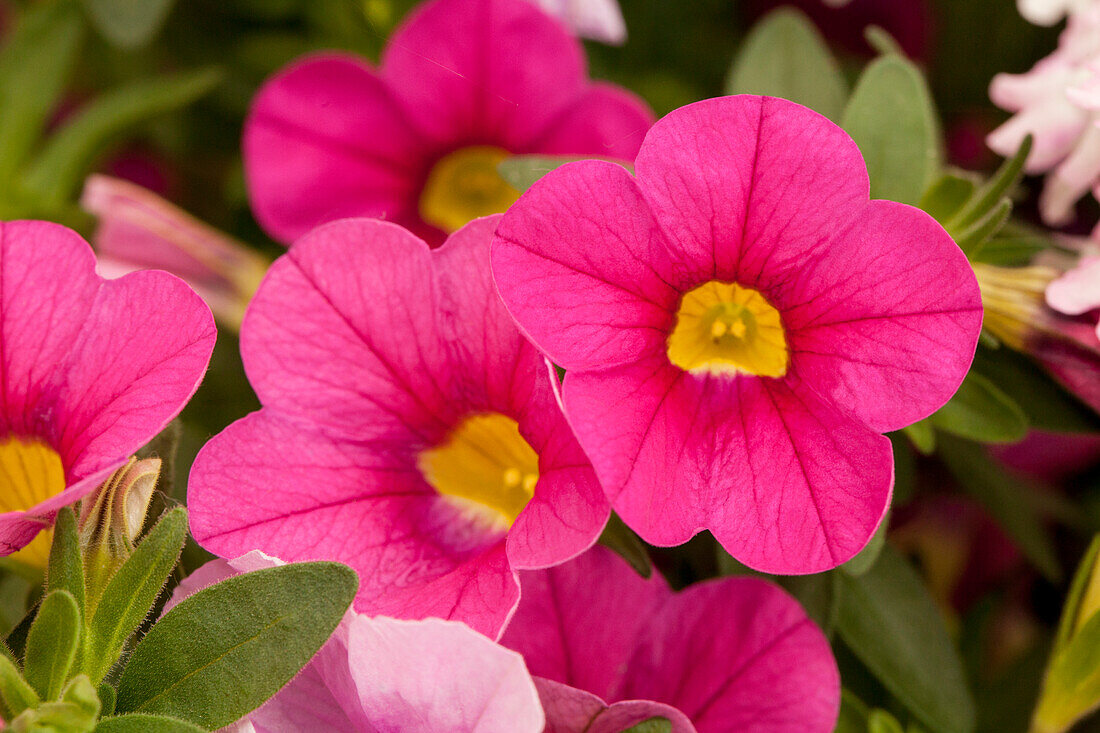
(1049, 12)
(1053, 102)
(1077, 292)
(600, 20)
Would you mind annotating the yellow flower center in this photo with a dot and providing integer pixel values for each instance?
(487, 462)
(30, 472)
(723, 328)
(465, 185)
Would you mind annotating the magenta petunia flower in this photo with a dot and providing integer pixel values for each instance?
(739, 324)
(408, 430)
(736, 654)
(462, 85)
(92, 370)
(379, 674)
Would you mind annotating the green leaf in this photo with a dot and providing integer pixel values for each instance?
(132, 591)
(1073, 615)
(891, 623)
(139, 723)
(891, 117)
(853, 714)
(65, 570)
(947, 196)
(223, 651)
(879, 39)
(35, 64)
(75, 712)
(128, 23)
(1045, 403)
(107, 697)
(973, 238)
(819, 595)
(785, 56)
(880, 721)
(52, 643)
(991, 193)
(60, 169)
(1010, 251)
(1072, 686)
(653, 725)
(980, 411)
(866, 558)
(620, 538)
(521, 171)
(1006, 498)
(922, 435)
(16, 694)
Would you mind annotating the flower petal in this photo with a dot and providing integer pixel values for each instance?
(569, 710)
(884, 323)
(786, 483)
(325, 139)
(1077, 291)
(587, 307)
(605, 120)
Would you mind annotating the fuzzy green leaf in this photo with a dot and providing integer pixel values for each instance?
(16, 694)
(52, 643)
(65, 570)
(223, 651)
(140, 723)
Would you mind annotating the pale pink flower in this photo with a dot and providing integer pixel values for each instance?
(1049, 12)
(600, 20)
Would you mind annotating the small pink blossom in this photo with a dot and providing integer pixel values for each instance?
(379, 674)
(1077, 292)
(1049, 12)
(610, 650)
(92, 370)
(812, 320)
(461, 85)
(404, 418)
(600, 20)
(1047, 102)
(139, 230)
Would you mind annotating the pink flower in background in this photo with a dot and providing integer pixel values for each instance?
(378, 674)
(1049, 12)
(1047, 103)
(138, 230)
(600, 20)
(408, 429)
(462, 84)
(739, 324)
(92, 370)
(736, 654)
(1077, 292)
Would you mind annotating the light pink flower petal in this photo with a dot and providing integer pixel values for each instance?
(569, 710)
(594, 602)
(587, 307)
(342, 333)
(600, 20)
(430, 676)
(483, 69)
(1077, 291)
(884, 321)
(737, 654)
(743, 184)
(1055, 125)
(268, 484)
(786, 483)
(324, 140)
(605, 121)
(1072, 179)
(568, 510)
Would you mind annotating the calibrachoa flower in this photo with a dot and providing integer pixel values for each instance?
(462, 84)
(93, 369)
(736, 654)
(601, 20)
(408, 430)
(1066, 136)
(139, 230)
(739, 323)
(379, 674)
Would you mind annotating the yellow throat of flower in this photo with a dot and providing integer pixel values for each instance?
(464, 185)
(30, 473)
(486, 464)
(723, 328)
(1014, 300)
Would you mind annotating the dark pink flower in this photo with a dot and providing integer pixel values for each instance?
(606, 646)
(408, 429)
(462, 84)
(739, 324)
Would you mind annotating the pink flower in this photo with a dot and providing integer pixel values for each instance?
(408, 430)
(739, 323)
(462, 84)
(600, 20)
(1077, 292)
(378, 674)
(1066, 137)
(139, 230)
(736, 654)
(92, 370)
(1049, 12)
